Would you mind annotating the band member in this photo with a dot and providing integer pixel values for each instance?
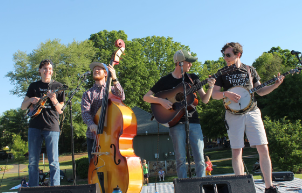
(45, 125)
(177, 132)
(249, 121)
(92, 99)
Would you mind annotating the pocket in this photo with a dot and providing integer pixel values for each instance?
(226, 124)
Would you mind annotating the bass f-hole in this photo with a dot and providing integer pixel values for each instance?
(118, 161)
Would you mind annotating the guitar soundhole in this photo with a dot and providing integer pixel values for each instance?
(179, 96)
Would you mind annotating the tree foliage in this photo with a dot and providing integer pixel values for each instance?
(145, 61)
(19, 147)
(285, 143)
(12, 122)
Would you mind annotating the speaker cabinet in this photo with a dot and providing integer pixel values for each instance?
(87, 188)
(216, 184)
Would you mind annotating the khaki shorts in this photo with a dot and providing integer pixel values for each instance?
(251, 123)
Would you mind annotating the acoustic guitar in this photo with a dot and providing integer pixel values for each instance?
(170, 117)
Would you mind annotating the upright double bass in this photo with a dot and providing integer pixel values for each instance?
(114, 162)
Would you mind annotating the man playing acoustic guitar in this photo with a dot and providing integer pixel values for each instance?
(178, 132)
(246, 120)
(45, 125)
(92, 99)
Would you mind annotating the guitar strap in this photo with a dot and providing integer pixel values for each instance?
(190, 78)
(192, 83)
(50, 83)
(250, 78)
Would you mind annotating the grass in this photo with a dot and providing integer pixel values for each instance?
(221, 167)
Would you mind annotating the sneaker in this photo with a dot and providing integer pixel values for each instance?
(159, 179)
(272, 189)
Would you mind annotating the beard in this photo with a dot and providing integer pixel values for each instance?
(98, 77)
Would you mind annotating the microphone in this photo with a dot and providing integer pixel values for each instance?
(293, 52)
(86, 73)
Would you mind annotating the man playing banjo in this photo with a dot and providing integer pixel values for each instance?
(244, 119)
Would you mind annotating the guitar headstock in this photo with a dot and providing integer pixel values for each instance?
(228, 69)
(62, 88)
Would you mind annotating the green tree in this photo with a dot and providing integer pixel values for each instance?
(287, 96)
(145, 61)
(288, 60)
(19, 147)
(13, 122)
(285, 143)
(70, 61)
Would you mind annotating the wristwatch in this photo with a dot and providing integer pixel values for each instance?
(223, 95)
(114, 80)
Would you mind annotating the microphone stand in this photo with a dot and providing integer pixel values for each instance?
(71, 128)
(187, 126)
(297, 55)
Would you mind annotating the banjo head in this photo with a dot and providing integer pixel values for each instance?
(243, 103)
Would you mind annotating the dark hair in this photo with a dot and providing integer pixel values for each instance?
(44, 62)
(237, 48)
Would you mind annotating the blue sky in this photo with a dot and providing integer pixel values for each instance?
(205, 26)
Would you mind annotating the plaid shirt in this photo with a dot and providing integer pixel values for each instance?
(92, 101)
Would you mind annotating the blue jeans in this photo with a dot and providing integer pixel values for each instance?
(178, 135)
(35, 139)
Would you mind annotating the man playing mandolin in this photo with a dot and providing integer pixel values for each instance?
(178, 132)
(92, 99)
(246, 120)
(44, 125)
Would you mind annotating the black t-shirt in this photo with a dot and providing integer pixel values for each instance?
(239, 77)
(48, 119)
(169, 82)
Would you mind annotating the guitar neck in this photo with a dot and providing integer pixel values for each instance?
(267, 83)
(202, 83)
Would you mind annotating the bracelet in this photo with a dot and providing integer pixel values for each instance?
(211, 86)
(223, 95)
(56, 104)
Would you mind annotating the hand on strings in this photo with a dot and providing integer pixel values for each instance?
(93, 128)
(279, 80)
(211, 81)
(112, 71)
(233, 96)
(166, 103)
(34, 100)
(52, 96)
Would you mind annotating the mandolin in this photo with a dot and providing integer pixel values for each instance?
(35, 109)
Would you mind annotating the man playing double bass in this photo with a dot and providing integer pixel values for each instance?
(92, 99)
(178, 132)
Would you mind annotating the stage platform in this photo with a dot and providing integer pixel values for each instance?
(283, 186)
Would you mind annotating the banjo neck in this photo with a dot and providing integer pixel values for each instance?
(268, 82)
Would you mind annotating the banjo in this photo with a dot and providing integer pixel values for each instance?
(246, 100)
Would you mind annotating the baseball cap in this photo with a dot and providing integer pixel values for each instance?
(183, 55)
(94, 64)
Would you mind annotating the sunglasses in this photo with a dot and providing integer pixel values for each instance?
(227, 55)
